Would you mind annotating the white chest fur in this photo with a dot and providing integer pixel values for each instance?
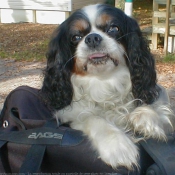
(108, 97)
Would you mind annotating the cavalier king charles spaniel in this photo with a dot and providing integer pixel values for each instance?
(100, 78)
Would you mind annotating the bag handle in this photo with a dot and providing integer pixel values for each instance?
(14, 111)
(33, 160)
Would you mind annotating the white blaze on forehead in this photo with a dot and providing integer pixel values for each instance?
(91, 12)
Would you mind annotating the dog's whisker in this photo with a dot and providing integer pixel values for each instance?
(125, 35)
(125, 53)
(127, 58)
(68, 61)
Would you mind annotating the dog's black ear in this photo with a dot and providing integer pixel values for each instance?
(57, 89)
(141, 64)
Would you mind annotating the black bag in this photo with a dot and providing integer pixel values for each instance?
(31, 141)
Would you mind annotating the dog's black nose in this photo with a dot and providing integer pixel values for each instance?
(93, 40)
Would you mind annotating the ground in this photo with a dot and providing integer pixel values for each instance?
(26, 41)
(22, 55)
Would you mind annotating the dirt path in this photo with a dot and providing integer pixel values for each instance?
(14, 74)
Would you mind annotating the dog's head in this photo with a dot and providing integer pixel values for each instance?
(96, 41)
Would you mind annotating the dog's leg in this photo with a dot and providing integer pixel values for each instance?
(113, 145)
(151, 121)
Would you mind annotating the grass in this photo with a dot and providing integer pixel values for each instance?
(169, 58)
(25, 41)
(35, 53)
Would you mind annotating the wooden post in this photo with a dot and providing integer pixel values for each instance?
(154, 21)
(167, 27)
(34, 16)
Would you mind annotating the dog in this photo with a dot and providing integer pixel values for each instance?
(101, 78)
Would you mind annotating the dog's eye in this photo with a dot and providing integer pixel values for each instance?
(113, 28)
(76, 38)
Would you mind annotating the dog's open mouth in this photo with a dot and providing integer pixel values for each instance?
(100, 58)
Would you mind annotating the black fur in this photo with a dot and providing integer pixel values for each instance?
(57, 89)
(141, 65)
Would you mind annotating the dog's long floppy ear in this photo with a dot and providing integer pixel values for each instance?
(141, 64)
(57, 89)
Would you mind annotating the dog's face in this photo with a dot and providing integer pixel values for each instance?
(98, 40)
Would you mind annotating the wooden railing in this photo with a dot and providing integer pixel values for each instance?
(163, 22)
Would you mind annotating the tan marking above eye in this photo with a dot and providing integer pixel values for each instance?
(79, 25)
(103, 19)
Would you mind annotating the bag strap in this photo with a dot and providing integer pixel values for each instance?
(33, 160)
(2, 143)
(163, 153)
(35, 155)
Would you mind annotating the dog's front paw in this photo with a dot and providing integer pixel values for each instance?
(119, 150)
(146, 122)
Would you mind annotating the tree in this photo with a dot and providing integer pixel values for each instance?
(117, 3)
(120, 4)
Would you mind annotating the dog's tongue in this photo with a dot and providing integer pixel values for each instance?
(97, 55)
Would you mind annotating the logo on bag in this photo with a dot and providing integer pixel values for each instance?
(47, 135)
